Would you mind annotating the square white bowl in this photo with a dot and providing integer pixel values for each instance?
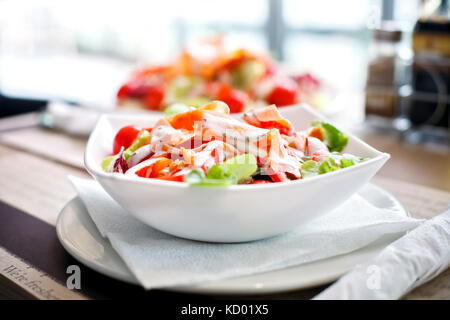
(228, 214)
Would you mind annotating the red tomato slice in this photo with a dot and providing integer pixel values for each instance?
(260, 182)
(178, 178)
(283, 94)
(279, 177)
(134, 88)
(125, 137)
(151, 94)
(235, 99)
(154, 97)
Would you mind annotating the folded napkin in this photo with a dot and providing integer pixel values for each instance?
(160, 260)
(407, 263)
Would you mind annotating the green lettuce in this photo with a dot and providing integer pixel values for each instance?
(333, 138)
(142, 139)
(246, 74)
(176, 108)
(346, 160)
(197, 178)
(106, 162)
(181, 86)
(327, 165)
(334, 162)
(310, 168)
(226, 173)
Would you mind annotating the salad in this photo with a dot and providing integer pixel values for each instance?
(207, 71)
(206, 146)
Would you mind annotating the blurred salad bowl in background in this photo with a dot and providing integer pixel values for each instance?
(203, 174)
(207, 71)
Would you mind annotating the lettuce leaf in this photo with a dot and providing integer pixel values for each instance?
(334, 162)
(246, 74)
(346, 160)
(106, 162)
(310, 168)
(240, 166)
(176, 108)
(333, 138)
(197, 178)
(226, 173)
(327, 165)
(181, 86)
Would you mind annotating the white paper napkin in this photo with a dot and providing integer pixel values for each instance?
(407, 263)
(160, 260)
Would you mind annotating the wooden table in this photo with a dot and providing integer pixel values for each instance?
(35, 162)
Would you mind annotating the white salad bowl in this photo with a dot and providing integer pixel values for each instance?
(235, 213)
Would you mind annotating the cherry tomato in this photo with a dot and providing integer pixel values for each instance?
(135, 88)
(235, 100)
(152, 94)
(154, 97)
(123, 91)
(125, 137)
(283, 94)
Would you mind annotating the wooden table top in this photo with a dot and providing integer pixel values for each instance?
(35, 162)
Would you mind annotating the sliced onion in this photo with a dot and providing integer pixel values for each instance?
(120, 165)
(140, 154)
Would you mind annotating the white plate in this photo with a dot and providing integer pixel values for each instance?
(80, 237)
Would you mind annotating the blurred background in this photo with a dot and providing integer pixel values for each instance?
(385, 63)
(85, 49)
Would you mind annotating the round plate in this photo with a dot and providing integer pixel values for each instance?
(80, 237)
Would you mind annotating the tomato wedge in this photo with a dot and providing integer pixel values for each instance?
(279, 177)
(154, 97)
(235, 99)
(153, 170)
(125, 137)
(283, 94)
